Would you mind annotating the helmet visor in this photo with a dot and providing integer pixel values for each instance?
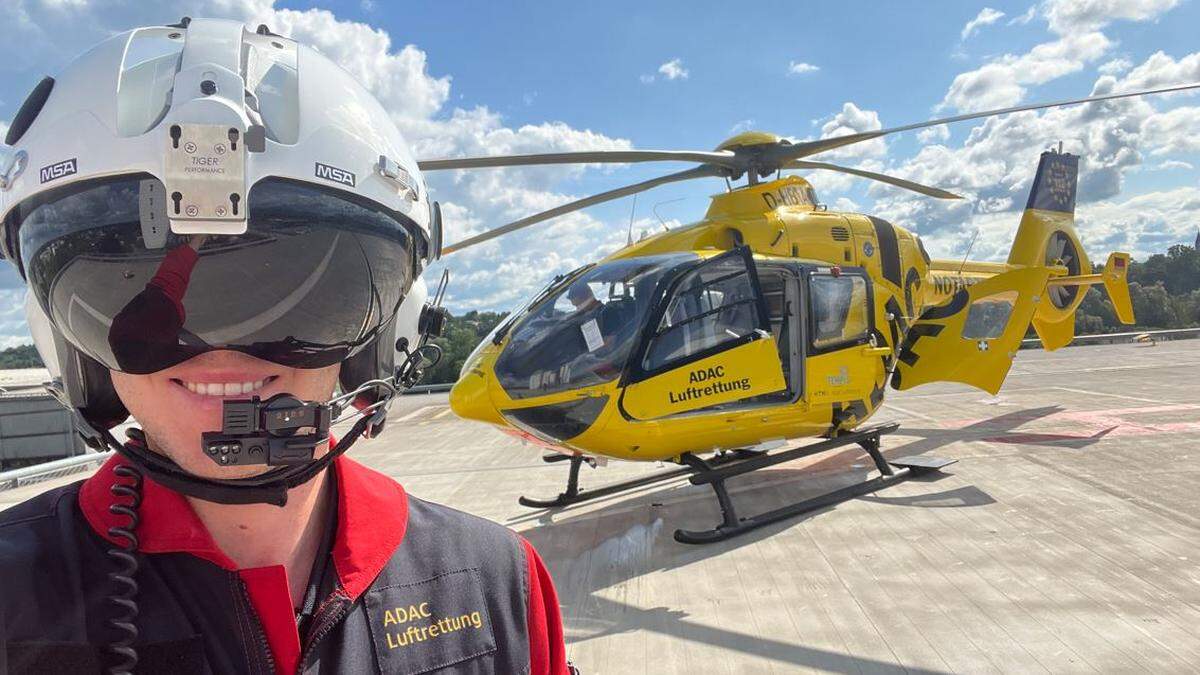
(313, 279)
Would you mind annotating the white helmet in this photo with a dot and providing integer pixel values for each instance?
(180, 189)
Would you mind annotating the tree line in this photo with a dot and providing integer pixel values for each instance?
(1165, 290)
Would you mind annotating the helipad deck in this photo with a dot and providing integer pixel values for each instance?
(1066, 538)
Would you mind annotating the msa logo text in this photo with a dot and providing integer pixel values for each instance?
(335, 174)
(58, 170)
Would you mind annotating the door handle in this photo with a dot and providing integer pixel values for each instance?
(876, 351)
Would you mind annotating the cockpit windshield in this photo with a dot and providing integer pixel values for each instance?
(582, 332)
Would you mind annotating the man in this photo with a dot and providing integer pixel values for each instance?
(582, 298)
(215, 239)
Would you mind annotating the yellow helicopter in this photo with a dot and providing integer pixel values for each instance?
(771, 318)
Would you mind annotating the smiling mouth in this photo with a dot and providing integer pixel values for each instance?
(224, 388)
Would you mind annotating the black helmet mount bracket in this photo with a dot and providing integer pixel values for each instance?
(280, 431)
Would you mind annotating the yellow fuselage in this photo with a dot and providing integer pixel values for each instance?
(839, 389)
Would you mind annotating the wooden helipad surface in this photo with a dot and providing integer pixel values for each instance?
(1065, 539)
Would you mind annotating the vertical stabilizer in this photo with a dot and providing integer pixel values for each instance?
(1046, 237)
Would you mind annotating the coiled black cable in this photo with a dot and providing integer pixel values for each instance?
(125, 587)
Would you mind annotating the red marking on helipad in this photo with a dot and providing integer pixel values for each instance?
(1091, 424)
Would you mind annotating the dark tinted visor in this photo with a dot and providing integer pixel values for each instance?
(318, 273)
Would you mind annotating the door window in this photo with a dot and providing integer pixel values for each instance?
(713, 305)
(988, 316)
(841, 311)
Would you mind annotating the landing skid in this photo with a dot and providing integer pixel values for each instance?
(573, 495)
(716, 471)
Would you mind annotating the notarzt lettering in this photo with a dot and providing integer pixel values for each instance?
(946, 285)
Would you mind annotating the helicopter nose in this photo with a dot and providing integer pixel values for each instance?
(469, 399)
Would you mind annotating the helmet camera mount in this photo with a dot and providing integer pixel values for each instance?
(280, 431)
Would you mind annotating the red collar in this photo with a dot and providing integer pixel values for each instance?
(372, 516)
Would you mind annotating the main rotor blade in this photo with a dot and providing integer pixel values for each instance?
(723, 157)
(883, 178)
(698, 172)
(805, 149)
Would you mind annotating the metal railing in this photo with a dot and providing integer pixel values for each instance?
(1113, 338)
(429, 388)
(47, 470)
(62, 467)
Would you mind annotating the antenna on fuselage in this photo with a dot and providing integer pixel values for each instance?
(632, 209)
(968, 254)
(660, 218)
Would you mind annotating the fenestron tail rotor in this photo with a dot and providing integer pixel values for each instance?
(1061, 251)
(757, 156)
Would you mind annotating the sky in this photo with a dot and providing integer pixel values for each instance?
(482, 78)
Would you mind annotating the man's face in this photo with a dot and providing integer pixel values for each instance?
(173, 406)
(581, 296)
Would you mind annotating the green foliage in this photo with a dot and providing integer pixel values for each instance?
(1165, 290)
(24, 356)
(458, 340)
(1178, 271)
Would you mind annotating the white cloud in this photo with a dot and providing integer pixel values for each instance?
(1172, 164)
(742, 126)
(1172, 131)
(646, 79)
(673, 70)
(1022, 19)
(994, 165)
(986, 16)
(1161, 70)
(801, 68)
(1115, 66)
(5, 151)
(1001, 82)
(846, 204)
(1071, 16)
(852, 120)
(936, 134)
(13, 329)
(1142, 225)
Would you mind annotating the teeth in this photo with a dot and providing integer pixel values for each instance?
(224, 388)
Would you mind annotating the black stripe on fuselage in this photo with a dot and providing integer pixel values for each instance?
(907, 355)
(889, 250)
(949, 308)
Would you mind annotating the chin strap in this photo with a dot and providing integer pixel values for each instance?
(270, 487)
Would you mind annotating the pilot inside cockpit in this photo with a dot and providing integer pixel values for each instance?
(582, 297)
